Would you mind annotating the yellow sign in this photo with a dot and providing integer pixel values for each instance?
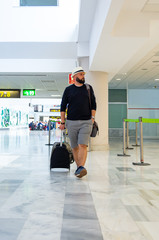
(9, 93)
(54, 110)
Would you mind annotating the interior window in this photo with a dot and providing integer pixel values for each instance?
(38, 3)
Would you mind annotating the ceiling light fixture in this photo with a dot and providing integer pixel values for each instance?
(118, 79)
(157, 79)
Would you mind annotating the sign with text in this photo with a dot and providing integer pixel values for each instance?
(70, 79)
(9, 93)
(28, 92)
(54, 110)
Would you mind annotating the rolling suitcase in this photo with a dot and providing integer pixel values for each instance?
(61, 155)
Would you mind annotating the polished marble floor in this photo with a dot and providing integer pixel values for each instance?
(115, 201)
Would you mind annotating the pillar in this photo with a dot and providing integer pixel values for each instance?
(99, 82)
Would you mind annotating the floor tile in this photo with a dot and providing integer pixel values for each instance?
(79, 211)
(10, 228)
(81, 230)
(115, 201)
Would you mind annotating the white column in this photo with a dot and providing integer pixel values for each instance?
(99, 82)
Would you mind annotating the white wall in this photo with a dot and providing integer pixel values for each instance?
(38, 23)
(99, 20)
(143, 98)
(144, 103)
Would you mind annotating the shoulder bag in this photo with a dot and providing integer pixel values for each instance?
(95, 128)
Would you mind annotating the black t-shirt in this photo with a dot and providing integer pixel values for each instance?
(76, 99)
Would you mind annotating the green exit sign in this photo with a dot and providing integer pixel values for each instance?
(28, 92)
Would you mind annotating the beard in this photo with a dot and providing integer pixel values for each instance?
(82, 81)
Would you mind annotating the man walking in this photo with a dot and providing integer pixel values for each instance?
(80, 117)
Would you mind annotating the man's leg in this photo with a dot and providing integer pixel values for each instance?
(80, 154)
(75, 155)
(79, 133)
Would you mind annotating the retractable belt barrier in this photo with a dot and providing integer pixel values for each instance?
(49, 138)
(127, 140)
(142, 163)
(140, 121)
(150, 120)
(124, 153)
(136, 123)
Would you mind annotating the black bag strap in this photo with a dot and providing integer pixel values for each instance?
(89, 93)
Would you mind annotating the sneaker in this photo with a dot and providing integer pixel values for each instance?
(80, 172)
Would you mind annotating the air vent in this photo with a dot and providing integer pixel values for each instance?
(52, 90)
(50, 84)
(22, 75)
(47, 81)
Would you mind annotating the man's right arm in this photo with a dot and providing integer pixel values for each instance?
(63, 109)
(62, 125)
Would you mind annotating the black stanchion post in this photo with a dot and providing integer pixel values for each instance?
(49, 134)
(141, 163)
(127, 137)
(124, 154)
(136, 145)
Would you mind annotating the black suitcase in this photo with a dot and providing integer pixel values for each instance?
(61, 155)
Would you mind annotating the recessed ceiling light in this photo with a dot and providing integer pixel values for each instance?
(118, 79)
(157, 79)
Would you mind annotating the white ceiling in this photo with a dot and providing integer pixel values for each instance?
(122, 38)
(38, 50)
(140, 76)
(142, 69)
(129, 43)
(47, 85)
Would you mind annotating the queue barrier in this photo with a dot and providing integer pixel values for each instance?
(140, 121)
(136, 127)
(124, 152)
(126, 143)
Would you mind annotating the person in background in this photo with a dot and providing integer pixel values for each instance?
(80, 118)
(31, 126)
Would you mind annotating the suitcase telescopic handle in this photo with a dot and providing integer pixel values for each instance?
(61, 138)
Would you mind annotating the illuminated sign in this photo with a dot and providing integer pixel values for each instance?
(70, 79)
(6, 93)
(28, 92)
(54, 110)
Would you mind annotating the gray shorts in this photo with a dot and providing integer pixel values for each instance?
(79, 131)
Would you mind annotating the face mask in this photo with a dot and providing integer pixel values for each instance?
(80, 80)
